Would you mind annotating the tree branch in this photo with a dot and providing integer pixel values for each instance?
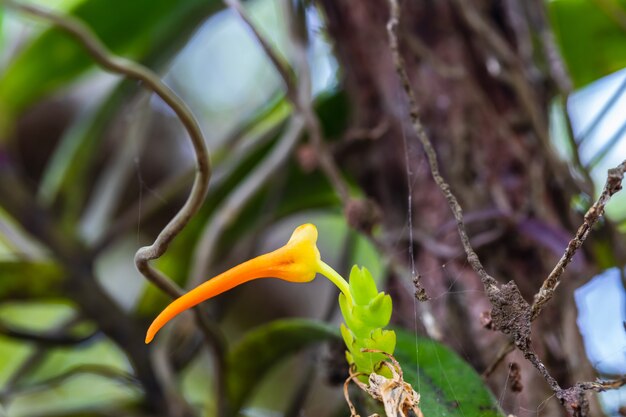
(613, 184)
(488, 281)
(133, 70)
(509, 308)
(299, 94)
(144, 255)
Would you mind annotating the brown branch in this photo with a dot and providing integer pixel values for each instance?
(488, 281)
(100, 53)
(510, 313)
(613, 184)
(599, 386)
(280, 64)
(302, 101)
(299, 94)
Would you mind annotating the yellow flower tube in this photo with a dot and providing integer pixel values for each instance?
(298, 261)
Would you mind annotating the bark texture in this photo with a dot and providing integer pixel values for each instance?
(483, 88)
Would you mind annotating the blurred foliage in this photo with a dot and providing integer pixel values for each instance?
(1, 25)
(30, 280)
(153, 32)
(263, 347)
(285, 199)
(591, 35)
(141, 30)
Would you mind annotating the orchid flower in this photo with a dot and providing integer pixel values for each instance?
(297, 261)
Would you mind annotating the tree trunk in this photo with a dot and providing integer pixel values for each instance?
(483, 88)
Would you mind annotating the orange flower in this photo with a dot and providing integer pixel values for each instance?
(298, 261)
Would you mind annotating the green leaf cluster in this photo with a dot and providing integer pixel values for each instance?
(366, 315)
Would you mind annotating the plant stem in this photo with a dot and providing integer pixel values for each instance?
(336, 279)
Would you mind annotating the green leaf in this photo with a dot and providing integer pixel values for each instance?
(591, 41)
(22, 279)
(367, 362)
(364, 321)
(378, 312)
(138, 29)
(13, 353)
(447, 384)
(68, 171)
(362, 285)
(347, 336)
(353, 321)
(265, 346)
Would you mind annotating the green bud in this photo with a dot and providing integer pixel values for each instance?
(365, 316)
(362, 286)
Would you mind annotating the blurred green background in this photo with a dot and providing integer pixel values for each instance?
(113, 186)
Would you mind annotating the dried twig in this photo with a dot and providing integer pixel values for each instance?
(488, 281)
(599, 386)
(280, 64)
(613, 184)
(506, 301)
